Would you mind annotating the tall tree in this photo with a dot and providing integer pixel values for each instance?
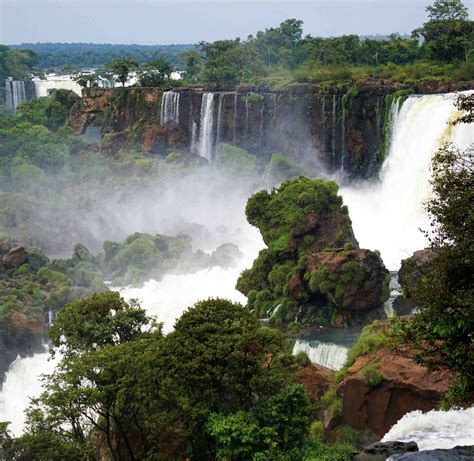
(447, 10)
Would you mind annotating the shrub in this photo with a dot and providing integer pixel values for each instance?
(372, 376)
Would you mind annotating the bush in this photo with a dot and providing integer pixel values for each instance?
(372, 376)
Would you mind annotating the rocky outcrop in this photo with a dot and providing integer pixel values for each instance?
(313, 271)
(401, 386)
(115, 109)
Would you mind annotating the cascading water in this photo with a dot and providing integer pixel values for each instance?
(326, 354)
(387, 215)
(206, 129)
(15, 93)
(435, 429)
(22, 381)
(169, 107)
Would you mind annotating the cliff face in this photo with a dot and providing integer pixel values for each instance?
(338, 128)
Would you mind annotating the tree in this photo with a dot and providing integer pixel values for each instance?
(192, 62)
(449, 34)
(447, 10)
(155, 73)
(120, 69)
(86, 80)
(93, 393)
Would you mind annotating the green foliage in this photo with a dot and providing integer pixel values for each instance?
(119, 69)
(332, 402)
(371, 339)
(372, 376)
(447, 10)
(155, 73)
(16, 62)
(94, 55)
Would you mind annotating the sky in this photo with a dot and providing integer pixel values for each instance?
(153, 22)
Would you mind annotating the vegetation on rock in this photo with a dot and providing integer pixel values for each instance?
(309, 272)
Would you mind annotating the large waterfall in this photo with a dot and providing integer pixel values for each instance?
(328, 355)
(435, 429)
(206, 130)
(169, 107)
(56, 82)
(387, 215)
(15, 93)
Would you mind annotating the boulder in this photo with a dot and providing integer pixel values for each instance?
(23, 333)
(15, 257)
(404, 387)
(356, 280)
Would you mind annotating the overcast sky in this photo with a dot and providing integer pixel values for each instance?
(189, 21)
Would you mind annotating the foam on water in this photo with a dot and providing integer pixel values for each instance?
(434, 429)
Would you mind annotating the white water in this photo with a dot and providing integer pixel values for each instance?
(326, 354)
(22, 381)
(434, 429)
(15, 93)
(206, 130)
(386, 216)
(169, 107)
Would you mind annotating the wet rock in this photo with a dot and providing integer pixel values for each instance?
(453, 454)
(380, 451)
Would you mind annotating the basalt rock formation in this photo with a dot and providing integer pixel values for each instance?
(335, 127)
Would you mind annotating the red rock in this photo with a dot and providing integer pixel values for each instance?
(316, 379)
(406, 387)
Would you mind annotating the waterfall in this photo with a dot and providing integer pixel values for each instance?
(388, 214)
(220, 117)
(435, 429)
(21, 383)
(236, 117)
(328, 355)
(55, 82)
(15, 93)
(206, 133)
(169, 107)
(334, 127)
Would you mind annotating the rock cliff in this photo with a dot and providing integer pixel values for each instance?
(336, 128)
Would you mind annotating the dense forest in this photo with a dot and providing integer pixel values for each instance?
(93, 55)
